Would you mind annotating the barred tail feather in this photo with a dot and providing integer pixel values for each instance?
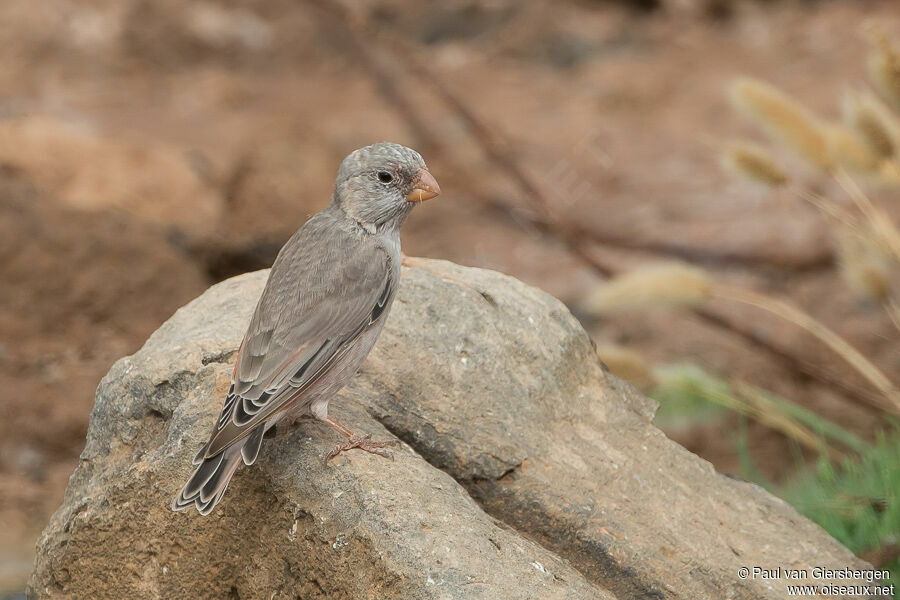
(207, 485)
(199, 457)
(250, 448)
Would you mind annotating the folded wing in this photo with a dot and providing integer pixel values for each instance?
(322, 294)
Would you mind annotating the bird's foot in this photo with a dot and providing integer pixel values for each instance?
(363, 443)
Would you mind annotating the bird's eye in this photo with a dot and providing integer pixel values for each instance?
(385, 177)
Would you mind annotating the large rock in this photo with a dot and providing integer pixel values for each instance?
(498, 394)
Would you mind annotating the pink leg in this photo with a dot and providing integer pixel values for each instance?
(355, 441)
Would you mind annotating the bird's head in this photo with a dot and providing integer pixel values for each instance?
(382, 182)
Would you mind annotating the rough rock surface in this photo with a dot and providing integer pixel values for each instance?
(492, 382)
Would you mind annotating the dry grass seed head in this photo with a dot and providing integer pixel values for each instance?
(883, 64)
(872, 121)
(865, 266)
(627, 364)
(670, 284)
(889, 173)
(847, 150)
(784, 119)
(755, 163)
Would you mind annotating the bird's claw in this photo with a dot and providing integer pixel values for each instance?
(363, 443)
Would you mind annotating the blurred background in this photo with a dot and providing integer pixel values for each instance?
(149, 148)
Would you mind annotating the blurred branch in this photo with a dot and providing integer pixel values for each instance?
(802, 369)
(543, 215)
(840, 346)
(500, 155)
(360, 37)
(345, 20)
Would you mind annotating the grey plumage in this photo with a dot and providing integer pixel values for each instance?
(326, 300)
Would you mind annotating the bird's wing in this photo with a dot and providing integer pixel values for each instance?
(325, 288)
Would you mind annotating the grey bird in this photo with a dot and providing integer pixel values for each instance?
(325, 303)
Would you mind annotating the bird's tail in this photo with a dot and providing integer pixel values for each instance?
(207, 485)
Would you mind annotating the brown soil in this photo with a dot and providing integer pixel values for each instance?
(148, 148)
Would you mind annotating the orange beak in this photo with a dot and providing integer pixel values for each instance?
(425, 187)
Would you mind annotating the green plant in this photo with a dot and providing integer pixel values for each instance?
(853, 494)
(686, 393)
(856, 500)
